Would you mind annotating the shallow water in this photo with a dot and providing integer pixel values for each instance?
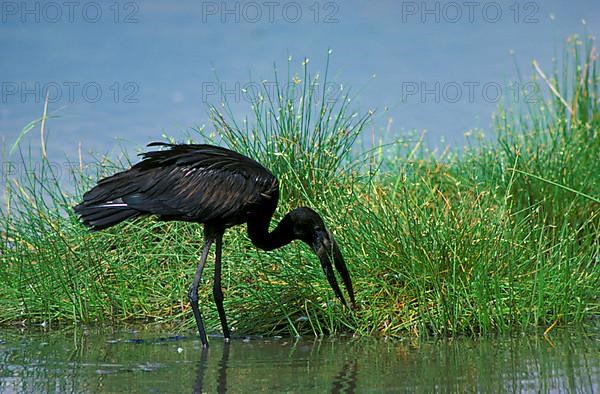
(89, 361)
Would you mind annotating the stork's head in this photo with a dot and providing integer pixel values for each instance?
(309, 227)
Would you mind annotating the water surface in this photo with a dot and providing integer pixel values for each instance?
(90, 361)
(152, 61)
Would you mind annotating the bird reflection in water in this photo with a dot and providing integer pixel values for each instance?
(343, 382)
(221, 371)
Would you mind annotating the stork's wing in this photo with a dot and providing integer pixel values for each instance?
(185, 182)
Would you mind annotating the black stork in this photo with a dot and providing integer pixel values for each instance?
(219, 188)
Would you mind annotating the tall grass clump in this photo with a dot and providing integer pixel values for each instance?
(302, 128)
(499, 237)
(557, 156)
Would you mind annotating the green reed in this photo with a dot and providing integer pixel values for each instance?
(499, 237)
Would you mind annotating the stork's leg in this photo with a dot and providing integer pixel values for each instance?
(217, 291)
(193, 292)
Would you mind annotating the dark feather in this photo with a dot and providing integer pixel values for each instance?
(191, 182)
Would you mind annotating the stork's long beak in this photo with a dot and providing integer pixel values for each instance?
(327, 249)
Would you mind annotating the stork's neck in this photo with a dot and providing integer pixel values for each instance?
(258, 231)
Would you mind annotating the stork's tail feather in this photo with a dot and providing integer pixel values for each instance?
(101, 216)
